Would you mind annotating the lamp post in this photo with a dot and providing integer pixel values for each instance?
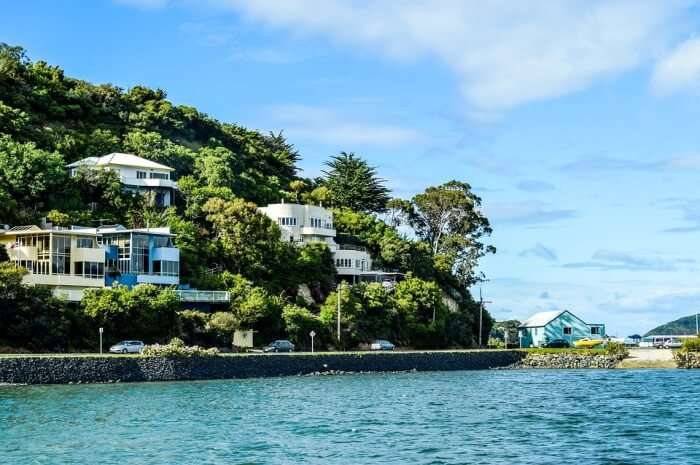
(102, 330)
(697, 329)
(340, 289)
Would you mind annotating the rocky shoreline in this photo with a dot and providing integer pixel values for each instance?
(567, 361)
(687, 359)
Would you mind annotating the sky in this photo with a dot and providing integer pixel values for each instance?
(575, 121)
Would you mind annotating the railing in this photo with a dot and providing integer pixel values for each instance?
(358, 248)
(203, 296)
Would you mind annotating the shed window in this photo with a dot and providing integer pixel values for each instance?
(595, 330)
(534, 331)
(567, 330)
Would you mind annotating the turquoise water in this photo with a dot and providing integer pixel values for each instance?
(483, 417)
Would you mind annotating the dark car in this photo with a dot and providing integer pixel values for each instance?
(557, 344)
(280, 345)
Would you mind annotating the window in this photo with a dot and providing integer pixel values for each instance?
(534, 331)
(162, 241)
(93, 270)
(60, 257)
(141, 175)
(84, 243)
(567, 330)
(595, 330)
(166, 268)
(139, 254)
(159, 175)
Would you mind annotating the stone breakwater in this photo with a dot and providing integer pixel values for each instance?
(568, 361)
(106, 369)
(687, 359)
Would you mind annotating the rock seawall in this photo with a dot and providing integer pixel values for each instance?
(77, 369)
(564, 361)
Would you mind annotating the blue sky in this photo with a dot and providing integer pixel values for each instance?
(576, 121)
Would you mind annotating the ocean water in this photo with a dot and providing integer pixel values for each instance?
(477, 417)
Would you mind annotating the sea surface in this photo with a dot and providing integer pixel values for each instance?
(472, 417)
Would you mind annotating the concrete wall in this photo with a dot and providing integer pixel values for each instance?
(74, 369)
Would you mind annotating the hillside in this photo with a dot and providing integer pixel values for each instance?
(224, 172)
(681, 326)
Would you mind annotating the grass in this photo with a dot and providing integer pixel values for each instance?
(586, 352)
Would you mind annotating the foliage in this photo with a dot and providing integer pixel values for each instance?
(222, 325)
(176, 348)
(617, 349)
(298, 323)
(691, 344)
(254, 308)
(144, 312)
(499, 328)
(31, 318)
(354, 184)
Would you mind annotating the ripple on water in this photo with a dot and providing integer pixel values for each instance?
(483, 417)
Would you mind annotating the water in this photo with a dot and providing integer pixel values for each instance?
(483, 417)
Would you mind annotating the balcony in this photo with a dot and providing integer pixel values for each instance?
(311, 231)
(157, 278)
(150, 183)
(22, 253)
(203, 296)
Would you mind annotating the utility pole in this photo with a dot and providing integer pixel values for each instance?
(340, 289)
(481, 315)
(697, 328)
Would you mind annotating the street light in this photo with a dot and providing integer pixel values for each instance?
(102, 330)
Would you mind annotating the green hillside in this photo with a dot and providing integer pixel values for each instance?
(681, 326)
(224, 172)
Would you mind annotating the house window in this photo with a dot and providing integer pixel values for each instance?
(60, 257)
(159, 175)
(139, 254)
(141, 175)
(595, 330)
(567, 330)
(534, 331)
(84, 243)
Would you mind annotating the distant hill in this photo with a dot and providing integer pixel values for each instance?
(681, 326)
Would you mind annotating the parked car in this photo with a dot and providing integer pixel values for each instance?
(558, 344)
(127, 347)
(280, 345)
(588, 343)
(381, 344)
(673, 344)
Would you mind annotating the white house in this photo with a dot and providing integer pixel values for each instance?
(135, 173)
(310, 223)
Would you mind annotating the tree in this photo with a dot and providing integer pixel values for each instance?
(422, 313)
(354, 184)
(448, 218)
(248, 238)
(222, 325)
(144, 312)
(29, 174)
(296, 187)
(298, 323)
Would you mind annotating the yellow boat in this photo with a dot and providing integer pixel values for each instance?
(587, 343)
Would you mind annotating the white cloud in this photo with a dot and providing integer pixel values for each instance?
(679, 70)
(324, 125)
(504, 53)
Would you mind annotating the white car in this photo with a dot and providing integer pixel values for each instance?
(127, 347)
(673, 344)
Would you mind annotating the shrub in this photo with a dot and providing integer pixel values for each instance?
(617, 349)
(691, 345)
(176, 348)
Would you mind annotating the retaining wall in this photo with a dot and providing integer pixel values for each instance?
(77, 369)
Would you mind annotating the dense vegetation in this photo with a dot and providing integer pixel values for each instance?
(681, 326)
(224, 172)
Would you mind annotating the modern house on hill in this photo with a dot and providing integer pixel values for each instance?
(543, 327)
(135, 173)
(310, 223)
(71, 260)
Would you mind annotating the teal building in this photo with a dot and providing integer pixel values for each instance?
(544, 327)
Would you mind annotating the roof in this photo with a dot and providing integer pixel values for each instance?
(121, 159)
(541, 319)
